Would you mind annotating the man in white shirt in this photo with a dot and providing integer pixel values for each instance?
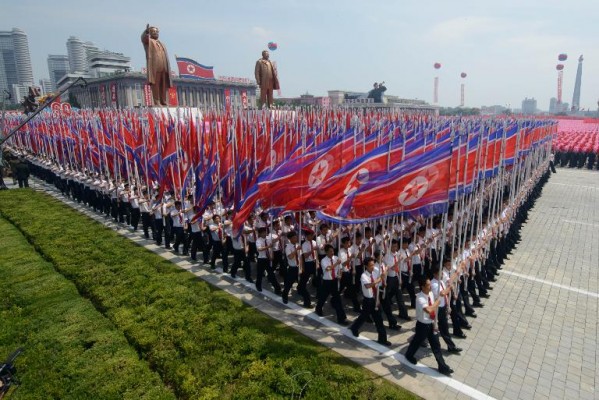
(441, 289)
(331, 274)
(134, 208)
(348, 276)
(240, 249)
(369, 282)
(146, 218)
(217, 234)
(390, 265)
(264, 248)
(293, 254)
(196, 226)
(426, 309)
(177, 216)
(156, 210)
(310, 256)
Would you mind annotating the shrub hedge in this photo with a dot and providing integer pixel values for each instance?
(71, 351)
(203, 342)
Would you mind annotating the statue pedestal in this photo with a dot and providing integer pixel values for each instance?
(178, 112)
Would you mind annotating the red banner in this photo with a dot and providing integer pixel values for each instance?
(113, 94)
(173, 101)
(227, 99)
(103, 102)
(148, 95)
(244, 99)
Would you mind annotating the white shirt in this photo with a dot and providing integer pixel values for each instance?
(436, 288)
(367, 279)
(290, 249)
(177, 217)
(422, 301)
(390, 260)
(326, 262)
(309, 247)
(344, 257)
(274, 238)
(260, 243)
(216, 232)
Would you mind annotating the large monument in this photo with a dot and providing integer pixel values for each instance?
(576, 96)
(159, 75)
(267, 79)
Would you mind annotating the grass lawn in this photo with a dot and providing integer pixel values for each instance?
(71, 350)
(202, 342)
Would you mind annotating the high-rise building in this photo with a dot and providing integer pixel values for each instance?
(15, 61)
(552, 105)
(577, 84)
(529, 106)
(104, 63)
(58, 66)
(46, 86)
(76, 54)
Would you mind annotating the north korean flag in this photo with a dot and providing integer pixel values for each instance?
(191, 69)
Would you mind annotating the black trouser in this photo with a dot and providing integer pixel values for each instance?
(391, 292)
(444, 327)
(240, 258)
(178, 235)
(464, 295)
(458, 319)
(471, 285)
(423, 332)
(159, 225)
(331, 288)
(146, 223)
(168, 231)
(252, 251)
(196, 243)
(349, 285)
(263, 265)
(218, 251)
(135, 214)
(309, 270)
(369, 309)
(416, 273)
(114, 209)
(23, 182)
(279, 262)
(406, 283)
(480, 278)
(291, 277)
(207, 241)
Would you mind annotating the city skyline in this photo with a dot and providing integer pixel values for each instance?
(508, 50)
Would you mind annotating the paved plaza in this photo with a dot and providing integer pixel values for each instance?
(536, 337)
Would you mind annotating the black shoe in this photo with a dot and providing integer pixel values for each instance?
(233, 276)
(384, 342)
(405, 317)
(259, 289)
(412, 360)
(319, 312)
(354, 332)
(168, 247)
(369, 320)
(395, 327)
(455, 350)
(278, 292)
(345, 322)
(460, 335)
(250, 280)
(446, 371)
(423, 345)
(478, 305)
(285, 301)
(308, 306)
(468, 327)
(485, 295)
(471, 314)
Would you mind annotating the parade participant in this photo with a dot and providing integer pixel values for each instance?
(392, 286)
(310, 256)
(196, 226)
(331, 274)
(158, 220)
(346, 283)
(426, 310)
(264, 248)
(293, 253)
(405, 270)
(146, 218)
(134, 207)
(178, 219)
(370, 306)
(441, 289)
(217, 234)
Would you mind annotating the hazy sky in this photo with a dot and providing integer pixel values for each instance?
(508, 48)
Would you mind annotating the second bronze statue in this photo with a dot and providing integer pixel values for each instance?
(158, 67)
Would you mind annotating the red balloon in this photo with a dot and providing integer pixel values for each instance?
(437, 65)
(463, 75)
(559, 67)
(562, 57)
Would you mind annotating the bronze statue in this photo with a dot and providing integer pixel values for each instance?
(158, 67)
(266, 77)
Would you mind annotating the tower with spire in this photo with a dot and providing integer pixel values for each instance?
(576, 96)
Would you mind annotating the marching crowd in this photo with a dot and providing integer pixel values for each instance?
(451, 259)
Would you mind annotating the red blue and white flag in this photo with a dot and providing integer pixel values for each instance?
(191, 69)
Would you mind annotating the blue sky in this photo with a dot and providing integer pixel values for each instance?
(508, 48)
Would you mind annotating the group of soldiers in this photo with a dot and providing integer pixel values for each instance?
(573, 159)
(452, 258)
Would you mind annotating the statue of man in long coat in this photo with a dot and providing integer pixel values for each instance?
(267, 79)
(158, 67)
